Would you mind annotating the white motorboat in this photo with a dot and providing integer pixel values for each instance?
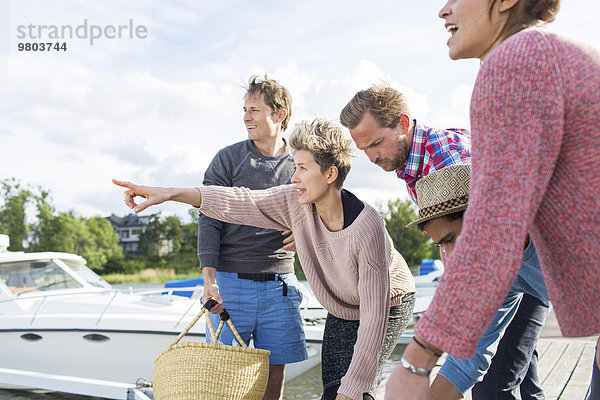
(62, 327)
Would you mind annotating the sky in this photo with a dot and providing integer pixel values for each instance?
(149, 91)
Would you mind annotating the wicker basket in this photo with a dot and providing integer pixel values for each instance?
(210, 371)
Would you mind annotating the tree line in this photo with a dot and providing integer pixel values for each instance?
(97, 240)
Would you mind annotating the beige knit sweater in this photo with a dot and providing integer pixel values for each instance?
(355, 273)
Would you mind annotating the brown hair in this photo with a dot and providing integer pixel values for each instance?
(528, 13)
(275, 96)
(327, 143)
(385, 103)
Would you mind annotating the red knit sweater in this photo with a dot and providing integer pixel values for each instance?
(535, 119)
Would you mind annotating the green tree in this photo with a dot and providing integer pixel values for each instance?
(53, 232)
(104, 246)
(162, 236)
(194, 214)
(411, 243)
(94, 239)
(190, 235)
(190, 231)
(13, 201)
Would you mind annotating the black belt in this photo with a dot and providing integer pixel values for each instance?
(258, 277)
(264, 278)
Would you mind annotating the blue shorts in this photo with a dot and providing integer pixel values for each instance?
(260, 311)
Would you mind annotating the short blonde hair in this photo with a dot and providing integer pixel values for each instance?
(327, 143)
(385, 103)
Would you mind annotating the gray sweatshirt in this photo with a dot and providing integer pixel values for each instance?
(240, 248)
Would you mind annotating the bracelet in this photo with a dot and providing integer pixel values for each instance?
(427, 349)
(414, 370)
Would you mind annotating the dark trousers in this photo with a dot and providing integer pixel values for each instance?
(340, 336)
(594, 390)
(513, 373)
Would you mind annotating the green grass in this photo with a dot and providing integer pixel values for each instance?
(181, 265)
(151, 275)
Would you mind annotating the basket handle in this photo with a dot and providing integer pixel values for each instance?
(224, 317)
(191, 324)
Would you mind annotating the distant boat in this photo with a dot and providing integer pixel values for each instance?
(426, 283)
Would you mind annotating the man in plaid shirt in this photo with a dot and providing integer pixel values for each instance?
(380, 125)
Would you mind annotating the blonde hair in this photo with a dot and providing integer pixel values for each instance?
(385, 103)
(327, 143)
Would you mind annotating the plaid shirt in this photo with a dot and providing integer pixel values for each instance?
(433, 149)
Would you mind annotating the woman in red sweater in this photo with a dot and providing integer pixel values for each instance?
(535, 120)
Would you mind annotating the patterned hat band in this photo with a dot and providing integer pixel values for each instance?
(443, 206)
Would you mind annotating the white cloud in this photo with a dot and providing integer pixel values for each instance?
(157, 110)
(455, 114)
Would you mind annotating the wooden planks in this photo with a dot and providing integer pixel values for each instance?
(564, 368)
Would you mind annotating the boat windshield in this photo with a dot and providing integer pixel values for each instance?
(26, 276)
(87, 274)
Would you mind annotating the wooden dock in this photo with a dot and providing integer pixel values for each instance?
(564, 365)
(564, 368)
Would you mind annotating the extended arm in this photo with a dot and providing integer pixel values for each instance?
(269, 208)
(157, 195)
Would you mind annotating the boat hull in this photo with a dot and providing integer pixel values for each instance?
(105, 355)
(118, 356)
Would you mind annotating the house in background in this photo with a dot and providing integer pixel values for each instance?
(129, 229)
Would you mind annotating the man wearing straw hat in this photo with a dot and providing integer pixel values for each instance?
(380, 124)
(245, 268)
(442, 198)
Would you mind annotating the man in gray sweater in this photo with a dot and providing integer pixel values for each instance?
(245, 268)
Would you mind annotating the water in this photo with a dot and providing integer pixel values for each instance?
(308, 386)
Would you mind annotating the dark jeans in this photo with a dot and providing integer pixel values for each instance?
(513, 373)
(340, 337)
(594, 390)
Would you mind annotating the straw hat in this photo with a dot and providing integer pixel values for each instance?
(443, 192)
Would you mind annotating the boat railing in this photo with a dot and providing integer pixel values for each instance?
(165, 294)
(107, 307)
(29, 295)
